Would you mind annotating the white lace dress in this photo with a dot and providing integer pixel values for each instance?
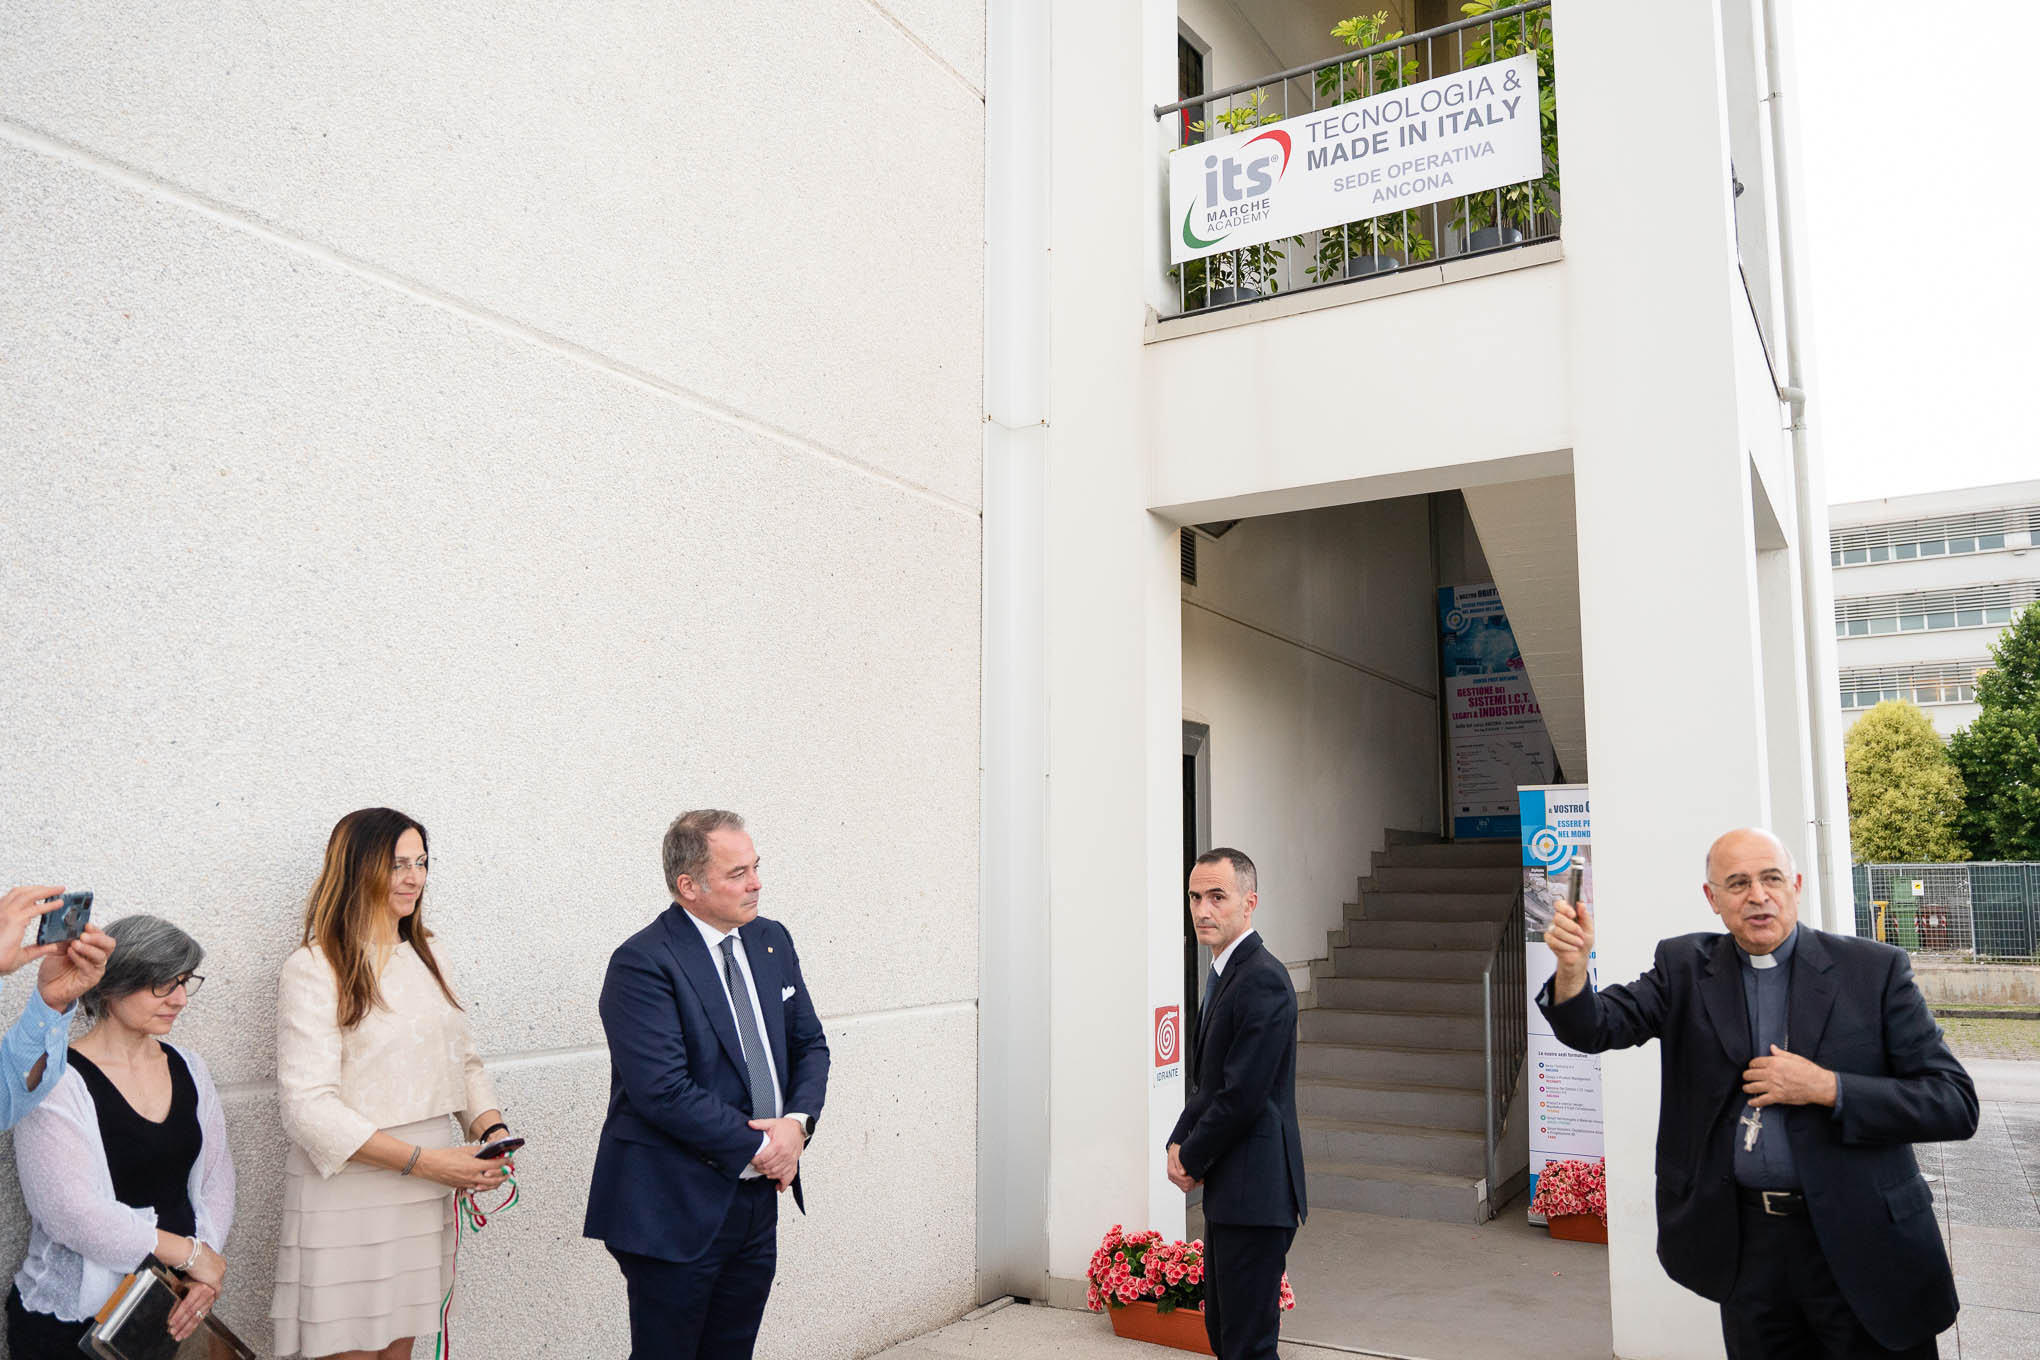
(365, 1255)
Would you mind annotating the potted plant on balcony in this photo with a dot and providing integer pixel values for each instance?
(1154, 1289)
(1500, 217)
(1573, 1197)
(1249, 271)
(1358, 248)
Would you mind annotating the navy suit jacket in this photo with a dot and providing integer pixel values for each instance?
(678, 1133)
(1856, 1012)
(1238, 1128)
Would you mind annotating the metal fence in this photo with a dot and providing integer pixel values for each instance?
(1479, 224)
(1505, 1028)
(1983, 912)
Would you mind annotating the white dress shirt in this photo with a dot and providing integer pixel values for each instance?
(713, 938)
(1218, 964)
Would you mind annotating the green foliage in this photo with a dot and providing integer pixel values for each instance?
(1904, 793)
(1521, 204)
(1252, 269)
(1342, 84)
(1999, 754)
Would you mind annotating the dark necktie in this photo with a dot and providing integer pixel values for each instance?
(1204, 1007)
(764, 1100)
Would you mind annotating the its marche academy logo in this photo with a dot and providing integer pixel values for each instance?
(1213, 170)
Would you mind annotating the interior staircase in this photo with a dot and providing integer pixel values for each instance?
(1390, 1084)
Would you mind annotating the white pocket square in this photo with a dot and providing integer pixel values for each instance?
(786, 993)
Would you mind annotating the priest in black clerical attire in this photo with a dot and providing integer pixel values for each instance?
(1799, 1068)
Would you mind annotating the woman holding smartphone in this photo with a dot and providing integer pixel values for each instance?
(374, 1066)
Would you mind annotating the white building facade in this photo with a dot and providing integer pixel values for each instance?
(1923, 585)
(547, 425)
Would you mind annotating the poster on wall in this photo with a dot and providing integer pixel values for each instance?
(1564, 1096)
(1496, 731)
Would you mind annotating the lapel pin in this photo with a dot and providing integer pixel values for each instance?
(768, 949)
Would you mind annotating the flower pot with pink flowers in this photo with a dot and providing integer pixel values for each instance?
(1154, 1289)
(1573, 1197)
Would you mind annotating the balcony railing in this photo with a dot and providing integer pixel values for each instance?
(1505, 218)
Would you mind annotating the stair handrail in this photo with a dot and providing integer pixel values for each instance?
(1505, 1038)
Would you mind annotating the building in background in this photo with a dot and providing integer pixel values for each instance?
(547, 423)
(1923, 585)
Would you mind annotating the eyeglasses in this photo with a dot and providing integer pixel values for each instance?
(190, 982)
(397, 866)
(1738, 885)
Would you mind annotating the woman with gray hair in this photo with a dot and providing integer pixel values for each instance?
(127, 1158)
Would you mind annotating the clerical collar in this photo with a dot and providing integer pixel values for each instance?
(1782, 954)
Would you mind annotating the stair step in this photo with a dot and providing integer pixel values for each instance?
(1424, 1147)
(1501, 878)
(1394, 1191)
(1400, 994)
(1393, 1029)
(1457, 965)
(1433, 906)
(1456, 854)
(1367, 934)
(1368, 1062)
(1442, 1107)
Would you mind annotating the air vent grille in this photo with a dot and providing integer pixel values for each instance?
(1187, 539)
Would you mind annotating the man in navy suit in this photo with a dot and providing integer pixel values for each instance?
(1237, 1136)
(717, 1069)
(1799, 1068)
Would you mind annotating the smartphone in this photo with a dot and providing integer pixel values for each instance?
(67, 922)
(502, 1147)
(1572, 886)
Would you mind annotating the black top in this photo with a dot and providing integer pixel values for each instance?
(150, 1162)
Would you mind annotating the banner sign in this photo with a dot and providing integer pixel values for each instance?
(1460, 134)
(1564, 1101)
(1496, 729)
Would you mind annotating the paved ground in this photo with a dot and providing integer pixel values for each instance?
(1989, 1211)
(1442, 1292)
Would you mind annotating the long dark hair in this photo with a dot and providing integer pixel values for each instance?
(353, 886)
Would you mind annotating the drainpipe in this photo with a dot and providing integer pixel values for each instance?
(1817, 613)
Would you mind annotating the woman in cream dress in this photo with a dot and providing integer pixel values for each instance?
(374, 1062)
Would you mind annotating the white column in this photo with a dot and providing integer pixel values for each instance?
(1668, 588)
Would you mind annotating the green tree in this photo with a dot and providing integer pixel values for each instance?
(1998, 755)
(1905, 797)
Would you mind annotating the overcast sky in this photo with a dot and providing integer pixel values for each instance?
(1922, 199)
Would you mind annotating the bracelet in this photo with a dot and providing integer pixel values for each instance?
(483, 1136)
(412, 1165)
(190, 1260)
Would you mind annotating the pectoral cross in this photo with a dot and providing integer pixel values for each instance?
(1753, 1125)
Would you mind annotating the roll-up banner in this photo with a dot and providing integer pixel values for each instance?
(1564, 1099)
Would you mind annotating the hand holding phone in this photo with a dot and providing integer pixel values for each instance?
(67, 920)
(1572, 886)
(502, 1147)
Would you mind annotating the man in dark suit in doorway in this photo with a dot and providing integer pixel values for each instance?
(1799, 1068)
(717, 1067)
(1237, 1136)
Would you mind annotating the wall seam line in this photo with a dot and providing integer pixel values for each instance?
(533, 1056)
(142, 181)
(1314, 650)
(932, 54)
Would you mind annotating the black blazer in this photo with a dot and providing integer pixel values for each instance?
(1238, 1129)
(1855, 1011)
(678, 1133)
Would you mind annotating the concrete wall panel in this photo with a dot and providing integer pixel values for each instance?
(287, 541)
(793, 228)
